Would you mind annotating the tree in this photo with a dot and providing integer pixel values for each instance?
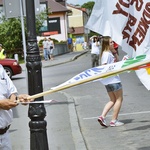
(89, 6)
(11, 33)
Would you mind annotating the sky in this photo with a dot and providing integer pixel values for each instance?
(80, 2)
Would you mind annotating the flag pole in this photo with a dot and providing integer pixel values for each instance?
(103, 75)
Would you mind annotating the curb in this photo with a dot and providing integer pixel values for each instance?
(58, 63)
(66, 61)
(78, 138)
(75, 57)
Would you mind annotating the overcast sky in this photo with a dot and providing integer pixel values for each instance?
(80, 2)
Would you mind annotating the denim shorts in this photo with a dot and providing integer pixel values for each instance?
(113, 87)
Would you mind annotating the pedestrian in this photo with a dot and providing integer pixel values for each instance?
(45, 49)
(50, 48)
(84, 45)
(70, 47)
(74, 45)
(2, 52)
(9, 98)
(113, 85)
(95, 52)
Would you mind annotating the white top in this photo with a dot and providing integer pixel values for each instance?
(6, 89)
(50, 43)
(95, 48)
(45, 44)
(108, 58)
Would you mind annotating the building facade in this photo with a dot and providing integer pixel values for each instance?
(77, 22)
(63, 20)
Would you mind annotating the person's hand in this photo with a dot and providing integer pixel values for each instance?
(7, 104)
(23, 99)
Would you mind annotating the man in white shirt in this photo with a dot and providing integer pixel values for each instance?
(95, 52)
(8, 98)
(45, 49)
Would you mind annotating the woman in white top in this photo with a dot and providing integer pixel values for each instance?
(50, 48)
(113, 84)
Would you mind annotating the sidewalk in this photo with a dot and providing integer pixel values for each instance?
(71, 56)
(62, 121)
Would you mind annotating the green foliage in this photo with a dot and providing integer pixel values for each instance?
(11, 32)
(93, 33)
(54, 40)
(63, 42)
(40, 43)
(89, 6)
(40, 18)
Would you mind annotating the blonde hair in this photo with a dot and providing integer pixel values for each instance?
(105, 44)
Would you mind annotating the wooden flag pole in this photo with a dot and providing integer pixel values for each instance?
(103, 75)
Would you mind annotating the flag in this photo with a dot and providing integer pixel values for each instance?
(127, 23)
(139, 62)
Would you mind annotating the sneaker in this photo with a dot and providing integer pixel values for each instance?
(102, 121)
(116, 123)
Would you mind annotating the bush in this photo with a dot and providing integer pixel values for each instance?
(54, 40)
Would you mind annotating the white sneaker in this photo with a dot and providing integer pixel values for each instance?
(102, 121)
(116, 123)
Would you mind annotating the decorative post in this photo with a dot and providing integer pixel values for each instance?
(36, 112)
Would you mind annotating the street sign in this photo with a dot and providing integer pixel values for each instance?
(12, 9)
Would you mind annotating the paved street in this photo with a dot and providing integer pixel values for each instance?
(72, 123)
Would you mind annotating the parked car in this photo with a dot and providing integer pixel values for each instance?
(11, 66)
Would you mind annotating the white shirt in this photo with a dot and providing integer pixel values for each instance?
(6, 89)
(95, 48)
(108, 58)
(45, 44)
(50, 43)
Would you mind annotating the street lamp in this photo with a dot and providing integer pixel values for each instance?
(36, 112)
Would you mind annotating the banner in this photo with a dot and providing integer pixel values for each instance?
(118, 67)
(99, 72)
(128, 24)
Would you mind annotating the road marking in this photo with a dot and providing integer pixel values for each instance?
(126, 114)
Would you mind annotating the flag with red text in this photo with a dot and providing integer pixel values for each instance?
(126, 21)
(128, 24)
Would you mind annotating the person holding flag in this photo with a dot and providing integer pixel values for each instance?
(113, 84)
(9, 98)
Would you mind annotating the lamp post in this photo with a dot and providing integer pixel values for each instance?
(36, 112)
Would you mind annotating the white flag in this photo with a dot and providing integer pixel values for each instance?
(139, 62)
(128, 23)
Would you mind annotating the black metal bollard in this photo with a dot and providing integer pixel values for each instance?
(36, 112)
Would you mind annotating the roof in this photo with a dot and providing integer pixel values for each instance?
(55, 6)
(77, 7)
(77, 30)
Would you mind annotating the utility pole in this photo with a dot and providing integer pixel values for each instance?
(36, 112)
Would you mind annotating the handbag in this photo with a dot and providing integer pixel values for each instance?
(51, 47)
